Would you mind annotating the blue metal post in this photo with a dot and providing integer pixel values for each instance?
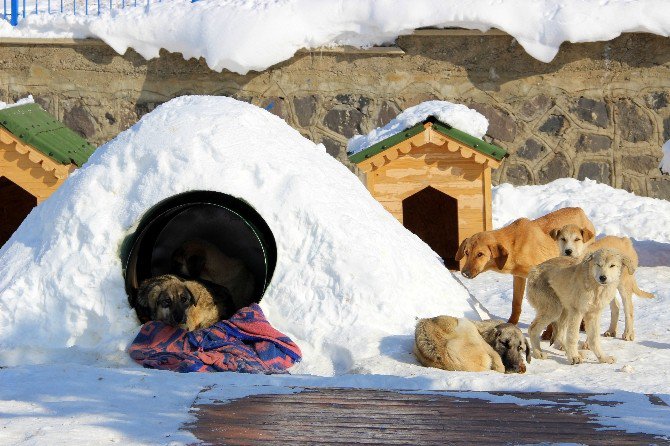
(14, 20)
(98, 7)
(86, 6)
(35, 7)
(24, 9)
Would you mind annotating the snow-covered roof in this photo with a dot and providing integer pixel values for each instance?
(348, 273)
(242, 35)
(455, 115)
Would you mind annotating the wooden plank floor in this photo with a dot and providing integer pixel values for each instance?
(351, 416)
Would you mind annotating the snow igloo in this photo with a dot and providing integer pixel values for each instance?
(333, 269)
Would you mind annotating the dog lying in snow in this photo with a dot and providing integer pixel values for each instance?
(450, 343)
(566, 290)
(176, 301)
(199, 259)
(576, 242)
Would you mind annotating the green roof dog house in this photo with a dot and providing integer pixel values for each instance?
(37, 153)
(436, 180)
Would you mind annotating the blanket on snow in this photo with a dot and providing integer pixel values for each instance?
(244, 343)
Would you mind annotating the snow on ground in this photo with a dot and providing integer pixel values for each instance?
(665, 162)
(60, 273)
(349, 283)
(456, 115)
(242, 35)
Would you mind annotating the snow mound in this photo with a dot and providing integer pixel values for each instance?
(244, 35)
(456, 115)
(665, 162)
(27, 100)
(612, 211)
(349, 281)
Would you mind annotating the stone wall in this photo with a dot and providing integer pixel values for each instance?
(599, 110)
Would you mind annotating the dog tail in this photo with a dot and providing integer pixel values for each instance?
(639, 292)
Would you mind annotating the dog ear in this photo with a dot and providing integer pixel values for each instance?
(589, 257)
(586, 234)
(628, 263)
(554, 233)
(528, 355)
(461, 250)
(499, 254)
(191, 292)
(194, 265)
(191, 297)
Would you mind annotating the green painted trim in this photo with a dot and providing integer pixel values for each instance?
(495, 152)
(34, 126)
(386, 143)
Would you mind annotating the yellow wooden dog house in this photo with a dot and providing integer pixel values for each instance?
(37, 153)
(436, 180)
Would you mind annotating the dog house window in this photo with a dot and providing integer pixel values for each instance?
(15, 205)
(228, 223)
(433, 216)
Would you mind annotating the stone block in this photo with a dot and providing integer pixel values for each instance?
(79, 119)
(558, 167)
(633, 125)
(660, 187)
(593, 111)
(333, 147)
(555, 125)
(531, 150)
(518, 175)
(536, 107)
(305, 108)
(387, 112)
(640, 163)
(593, 143)
(501, 125)
(346, 121)
(595, 170)
(657, 100)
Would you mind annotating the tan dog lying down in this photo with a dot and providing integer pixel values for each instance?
(574, 241)
(567, 290)
(516, 248)
(448, 343)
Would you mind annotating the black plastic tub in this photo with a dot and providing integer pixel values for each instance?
(231, 224)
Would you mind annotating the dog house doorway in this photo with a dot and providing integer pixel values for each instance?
(433, 217)
(15, 205)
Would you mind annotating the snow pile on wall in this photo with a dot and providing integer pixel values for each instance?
(27, 100)
(665, 162)
(242, 36)
(456, 115)
(348, 278)
(612, 211)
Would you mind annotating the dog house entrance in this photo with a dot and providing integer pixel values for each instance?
(433, 216)
(15, 205)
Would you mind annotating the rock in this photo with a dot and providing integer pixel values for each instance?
(344, 120)
(518, 175)
(359, 102)
(501, 125)
(305, 108)
(558, 167)
(593, 143)
(657, 100)
(595, 170)
(660, 188)
(666, 129)
(590, 110)
(276, 106)
(640, 163)
(632, 123)
(531, 150)
(333, 147)
(534, 108)
(554, 125)
(80, 120)
(387, 112)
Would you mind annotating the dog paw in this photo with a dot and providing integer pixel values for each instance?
(607, 359)
(539, 355)
(628, 335)
(584, 345)
(610, 334)
(577, 359)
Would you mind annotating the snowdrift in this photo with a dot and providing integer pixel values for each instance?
(349, 280)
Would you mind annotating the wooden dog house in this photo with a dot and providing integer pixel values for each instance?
(37, 153)
(436, 180)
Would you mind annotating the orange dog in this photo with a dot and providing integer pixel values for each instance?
(517, 248)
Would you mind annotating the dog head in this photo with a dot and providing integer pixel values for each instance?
(572, 240)
(605, 265)
(508, 341)
(190, 259)
(167, 298)
(481, 252)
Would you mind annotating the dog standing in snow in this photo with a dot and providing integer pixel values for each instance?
(568, 290)
(574, 241)
(176, 301)
(449, 343)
